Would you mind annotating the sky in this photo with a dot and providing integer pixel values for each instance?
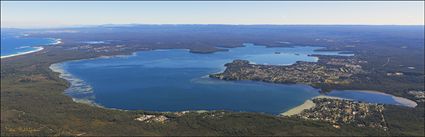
(39, 14)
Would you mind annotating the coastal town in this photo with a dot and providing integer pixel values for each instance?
(341, 111)
(328, 71)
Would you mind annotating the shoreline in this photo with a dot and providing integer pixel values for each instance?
(330, 97)
(369, 91)
(298, 109)
(401, 100)
(308, 104)
(37, 49)
(77, 86)
(405, 101)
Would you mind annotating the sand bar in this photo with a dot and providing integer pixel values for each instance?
(400, 100)
(405, 102)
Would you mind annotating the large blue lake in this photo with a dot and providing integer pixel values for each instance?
(176, 80)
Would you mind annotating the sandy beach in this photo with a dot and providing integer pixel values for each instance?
(330, 97)
(310, 104)
(371, 91)
(296, 110)
(22, 53)
(57, 41)
(406, 102)
(401, 100)
(306, 105)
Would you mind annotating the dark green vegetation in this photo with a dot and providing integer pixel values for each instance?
(33, 103)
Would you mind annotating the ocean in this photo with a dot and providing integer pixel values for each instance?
(13, 44)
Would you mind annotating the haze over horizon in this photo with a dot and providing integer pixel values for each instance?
(65, 14)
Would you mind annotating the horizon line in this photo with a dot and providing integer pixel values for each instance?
(224, 24)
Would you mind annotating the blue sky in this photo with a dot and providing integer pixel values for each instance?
(56, 14)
